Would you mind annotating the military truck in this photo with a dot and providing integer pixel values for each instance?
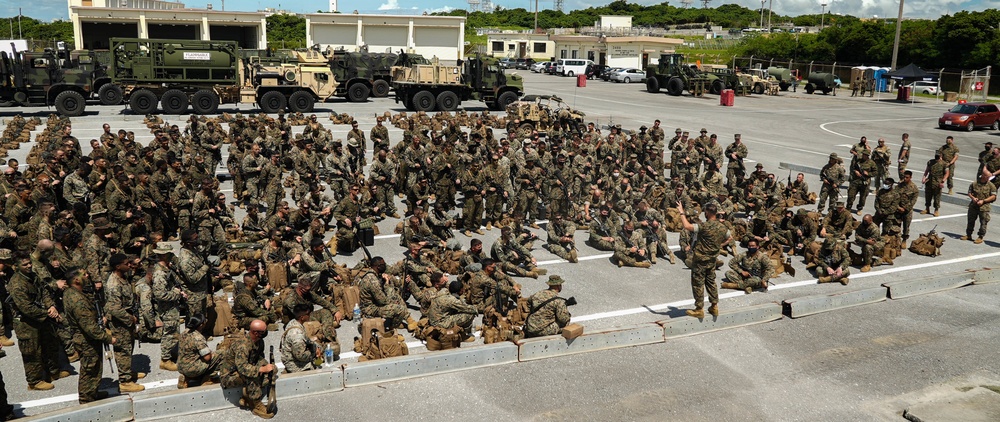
(46, 79)
(438, 87)
(177, 74)
(542, 112)
(360, 74)
(821, 81)
(671, 73)
(783, 75)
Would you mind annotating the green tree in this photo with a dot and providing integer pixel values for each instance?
(288, 31)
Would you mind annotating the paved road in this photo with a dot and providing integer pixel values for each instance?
(794, 128)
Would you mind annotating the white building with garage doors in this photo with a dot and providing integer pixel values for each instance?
(430, 36)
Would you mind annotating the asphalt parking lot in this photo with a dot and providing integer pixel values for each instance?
(843, 365)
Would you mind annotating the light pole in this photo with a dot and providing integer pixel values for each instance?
(822, 16)
(762, 13)
(899, 27)
(770, 5)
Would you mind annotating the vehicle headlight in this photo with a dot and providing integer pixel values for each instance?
(963, 118)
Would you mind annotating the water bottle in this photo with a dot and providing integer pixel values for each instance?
(328, 356)
(357, 312)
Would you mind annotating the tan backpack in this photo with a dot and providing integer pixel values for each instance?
(927, 244)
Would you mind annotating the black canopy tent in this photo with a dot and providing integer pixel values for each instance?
(909, 73)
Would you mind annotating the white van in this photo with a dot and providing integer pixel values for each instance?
(572, 67)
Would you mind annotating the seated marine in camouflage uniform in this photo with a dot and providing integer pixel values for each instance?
(749, 271)
(549, 313)
(196, 362)
(560, 238)
(298, 352)
(449, 309)
(245, 365)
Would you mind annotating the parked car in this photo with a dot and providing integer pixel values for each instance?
(628, 75)
(970, 116)
(594, 70)
(539, 67)
(523, 63)
(606, 75)
(505, 62)
(924, 87)
(551, 68)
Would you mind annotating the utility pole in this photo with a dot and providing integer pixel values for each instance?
(899, 28)
(770, 6)
(761, 14)
(822, 16)
(536, 16)
(19, 23)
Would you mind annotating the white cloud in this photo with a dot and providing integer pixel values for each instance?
(929, 9)
(444, 9)
(389, 5)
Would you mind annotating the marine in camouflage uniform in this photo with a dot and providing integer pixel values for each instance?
(750, 270)
(736, 152)
(250, 304)
(473, 187)
(347, 212)
(549, 312)
(711, 236)
(169, 297)
(886, 202)
(630, 247)
(560, 238)
(88, 337)
(120, 296)
(448, 309)
(379, 297)
(934, 180)
(253, 172)
(982, 194)
(329, 317)
(490, 288)
(195, 360)
(383, 173)
(869, 238)
(834, 262)
(194, 273)
(36, 340)
(862, 171)
(298, 352)
(512, 257)
(881, 155)
(245, 365)
(832, 176)
(949, 155)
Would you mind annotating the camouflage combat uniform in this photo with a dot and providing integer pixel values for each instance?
(36, 340)
(89, 338)
(448, 310)
(380, 299)
(297, 351)
(167, 292)
(241, 368)
(120, 298)
(547, 319)
(191, 350)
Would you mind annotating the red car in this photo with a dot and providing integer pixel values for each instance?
(970, 116)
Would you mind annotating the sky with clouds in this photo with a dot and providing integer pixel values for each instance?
(932, 9)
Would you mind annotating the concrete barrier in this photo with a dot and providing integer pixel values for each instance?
(439, 362)
(310, 382)
(685, 325)
(920, 286)
(552, 346)
(109, 410)
(188, 401)
(949, 199)
(809, 305)
(986, 277)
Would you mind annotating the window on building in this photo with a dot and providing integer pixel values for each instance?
(538, 47)
(510, 46)
(497, 45)
(574, 54)
(562, 54)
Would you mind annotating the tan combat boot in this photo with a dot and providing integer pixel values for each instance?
(130, 387)
(573, 256)
(727, 285)
(167, 365)
(411, 324)
(60, 375)
(966, 237)
(540, 271)
(673, 259)
(260, 410)
(925, 212)
(489, 225)
(479, 231)
(697, 313)
(643, 264)
(845, 280)
(75, 357)
(866, 268)
(978, 241)
(714, 310)
(41, 386)
(182, 382)
(824, 279)
(6, 342)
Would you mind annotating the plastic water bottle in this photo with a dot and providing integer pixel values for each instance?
(357, 312)
(328, 356)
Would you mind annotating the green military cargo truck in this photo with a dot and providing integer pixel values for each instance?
(439, 87)
(46, 79)
(363, 74)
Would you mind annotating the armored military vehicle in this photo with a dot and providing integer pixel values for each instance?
(439, 87)
(360, 74)
(46, 79)
(671, 73)
(542, 112)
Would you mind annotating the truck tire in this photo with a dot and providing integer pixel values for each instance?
(447, 101)
(527, 127)
(272, 102)
(358, 93)
(717, 87)
(827, 90)
(784, 85)
(70, 103)
(301, 102)
(810, 88)
(380, 88)
(142, 102)
(675, 86)
(652, 85)
(506, 99)
(205, 101)
(174, 101)
(758, 88)
(110, 94)
(423, 101)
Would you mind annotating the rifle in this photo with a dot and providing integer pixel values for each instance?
(629, 245)
(272, 394)
(98, 298)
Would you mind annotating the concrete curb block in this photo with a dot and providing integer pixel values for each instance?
(184, 402)
(310, 382)
(552, 346)
(685, 325)
(109, 410)
(920, 286)
(403, 367)
(986, 277)
(809, 305)
(958, 198)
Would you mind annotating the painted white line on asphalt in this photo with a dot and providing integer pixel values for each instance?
(938, 218)
(387, 236)
(823, 126)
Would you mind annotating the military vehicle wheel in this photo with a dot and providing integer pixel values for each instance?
(784, 86)
(810, 88)
(758, 89)
(142, 102)
(652, 85)
(506, 99)
(174, 101)
(423, 101)
(527, 127)
(675, 86)
(272, 102)
(969, 127)
(358, 93)
(301, 102)
(110, 94)
(717, 87)
(205, 101)
(380, 89)
(70, 103)
(447, 101)
(827, 90)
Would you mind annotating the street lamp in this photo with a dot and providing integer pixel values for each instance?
(762, 13)
(822, 16)
(899, 27)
